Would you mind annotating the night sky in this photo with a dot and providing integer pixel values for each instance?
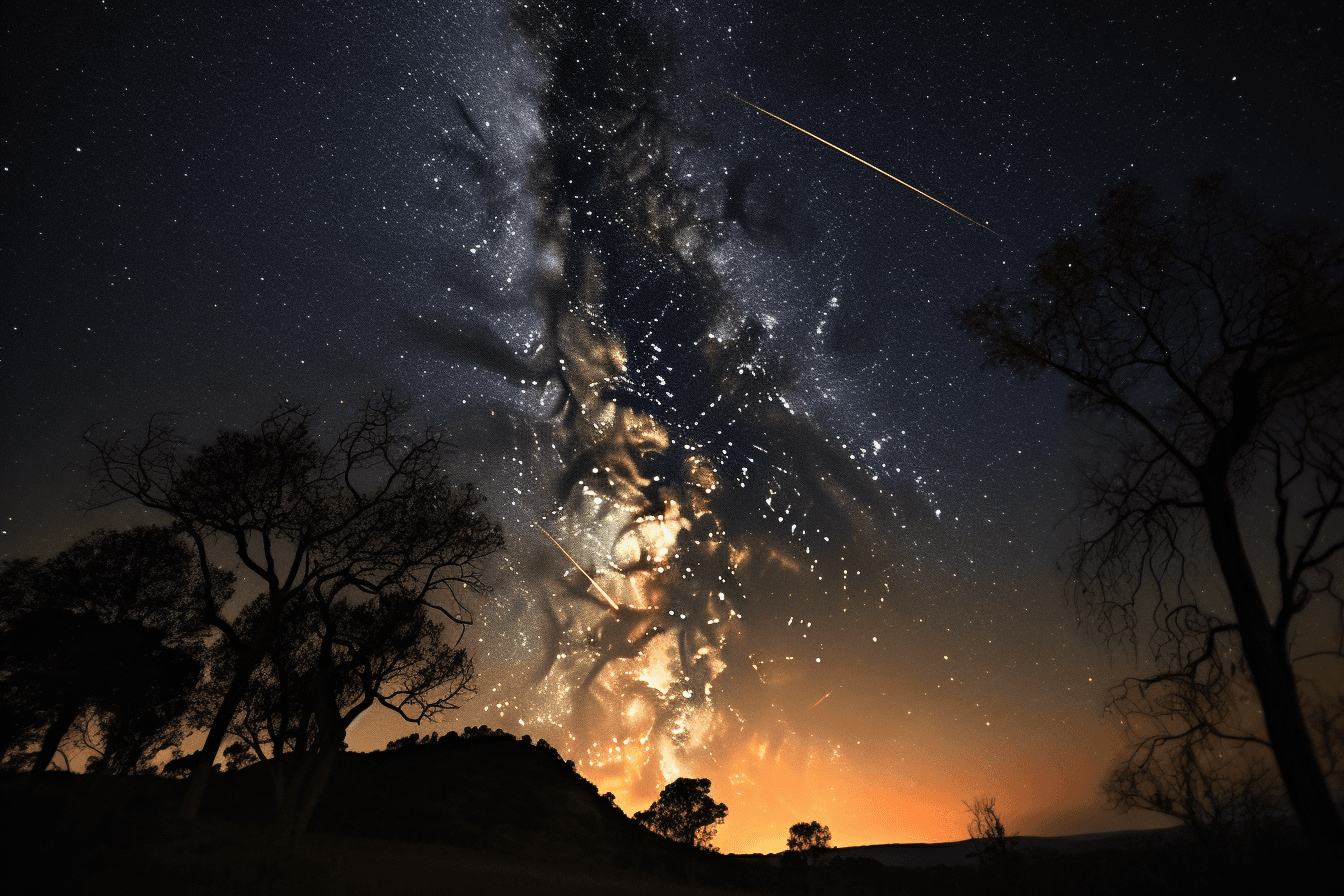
(714, 358)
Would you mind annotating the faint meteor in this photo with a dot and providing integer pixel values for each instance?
(605, 596)
(869, 164)
(468, 120)
(823, 697)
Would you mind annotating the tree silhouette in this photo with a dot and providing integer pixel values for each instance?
(991, 839)
(275, 717)
(53, 671)
(334, 659)
(368, 516)
(23, 709)
(1208, 345)
(1222, 785)
(1220, 797)
(148, 692)
(104, 637)
(811, 839)
(685, 812)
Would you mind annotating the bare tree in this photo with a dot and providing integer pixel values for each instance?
(1208, 344)
(991, 839)
(387, 649)
(373, 511)
(1198, 751)
(1221, 794)
(1194, 737)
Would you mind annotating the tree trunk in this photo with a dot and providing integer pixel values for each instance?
(312, 790)
(287, 814)
(205, 763)
(51, 742)
(1271, 669)
(304, 791)
(279, 780)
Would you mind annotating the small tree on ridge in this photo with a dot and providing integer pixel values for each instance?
(685, 812)
(811, 839)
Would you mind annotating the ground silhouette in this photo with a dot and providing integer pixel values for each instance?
(486, 811)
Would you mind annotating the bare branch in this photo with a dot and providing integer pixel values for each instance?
(1208, 348)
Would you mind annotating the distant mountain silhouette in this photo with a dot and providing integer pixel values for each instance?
(961, 853)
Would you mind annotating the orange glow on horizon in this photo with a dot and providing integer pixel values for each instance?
(883, 783)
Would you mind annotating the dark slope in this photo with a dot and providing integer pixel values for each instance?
(486, 790)
(487, 812)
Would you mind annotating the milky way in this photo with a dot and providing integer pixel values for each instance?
(689, 487)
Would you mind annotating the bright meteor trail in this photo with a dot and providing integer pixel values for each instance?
(857, 159)
(605, 596)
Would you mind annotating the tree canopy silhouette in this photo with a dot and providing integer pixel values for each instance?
(1208, 345)
(363, 535)
(332, 659)
(685, 812)
(811, 839)
(104, 637)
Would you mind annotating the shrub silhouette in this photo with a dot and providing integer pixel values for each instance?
(991, 839)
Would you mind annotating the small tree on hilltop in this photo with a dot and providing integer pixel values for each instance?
(811, 839)
(685, 812)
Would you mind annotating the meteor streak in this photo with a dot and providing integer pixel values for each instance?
(605, 596)
(823, 697)
(857, 159)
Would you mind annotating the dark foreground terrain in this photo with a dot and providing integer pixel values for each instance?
(492, 814)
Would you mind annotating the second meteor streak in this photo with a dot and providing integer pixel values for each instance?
(864, 161)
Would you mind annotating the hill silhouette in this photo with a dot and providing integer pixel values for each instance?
(482, 789)
(483, 809)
